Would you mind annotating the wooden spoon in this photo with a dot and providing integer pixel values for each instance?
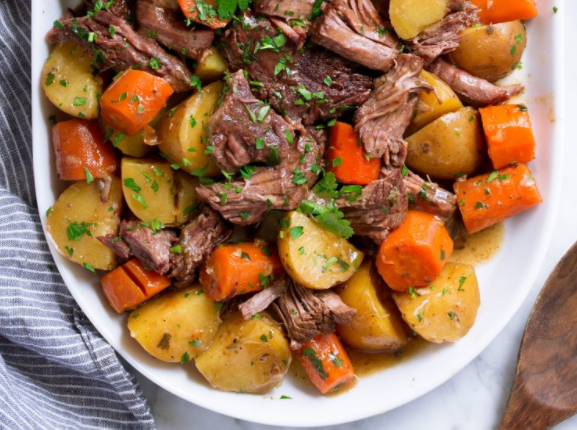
(545, 387)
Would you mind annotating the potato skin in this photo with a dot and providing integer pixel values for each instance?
(182, 132)
(68, 82)
(491, 51)
(246, 356)
(175, 326)
(410, 17)
(445, 311)
(449, 147)
(378, 325)
(79, 204)
(305, 258)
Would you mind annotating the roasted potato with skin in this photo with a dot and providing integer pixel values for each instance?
(68, 81)
(78, 217)
(433, 104)
(246, 356)
(313, 256)
(149, 189)
(446, 310)
(449, 147)
(410, 17)
(182, 132)
(212, 66)
(491, 51)
(187, 200)
(176, 326)
(378, 325)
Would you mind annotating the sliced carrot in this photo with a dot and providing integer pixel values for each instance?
(488, 199)
(239, 268)
(496, 11)
(415, 253)
(326, 362)
(509, 134)
(203, 12)
(133, 100)
(79, 146)
(346, 158)
(129, 285)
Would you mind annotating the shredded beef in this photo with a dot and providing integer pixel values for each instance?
(311, 84)
(383, 119)
(122, 50)
(244, 130)
(429, 197)
(475, 91)
(381, 207)
(444, 36)
(263, 299)
(116, 245)
(354, 30)
(169, 29)
(290, 16)
(197, 240)
(121, 8)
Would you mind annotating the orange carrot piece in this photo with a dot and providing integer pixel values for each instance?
(79, 145)
(207, 14)
(239, 268)
(496, 11)
(129, 285)
(415, 253)
(326, 362)
(488, 199)
(346, 158)
(133, 100)
(509, 134)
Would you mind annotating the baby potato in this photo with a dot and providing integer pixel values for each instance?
(378, 325)
(68, 81)
(176, 326)
(410, 17)
(445, 311)
(491, 51)
(313, 256)
(182, 132)
(149, 190)
(246, 356)
(78, 217)
(450, 102)
(212, 66)
(133, 146)
(449, 147)
(187, 200)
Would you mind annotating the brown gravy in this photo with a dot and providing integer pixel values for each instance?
(480, 247)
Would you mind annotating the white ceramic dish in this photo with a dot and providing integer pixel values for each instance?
(505, 281)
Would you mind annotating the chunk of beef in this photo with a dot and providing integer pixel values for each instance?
(121, 8)
(383, 119)
(243, 129)
(381, 207)
(475, 91)
(429, 197)
(306, 314)
(444, 36)
(116, 245)
(169, 29)
(151, 248)
(282, 187)
(354, 30)
(290, 16)
(311, 84)
(296, 31)
(197, 240)
(122, 50)
(263, 299)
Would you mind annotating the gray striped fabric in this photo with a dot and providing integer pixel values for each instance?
(56, 372)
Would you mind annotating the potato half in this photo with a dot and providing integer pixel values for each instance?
(410, 17)
(212, 66)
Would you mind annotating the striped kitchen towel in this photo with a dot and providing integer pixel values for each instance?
(56, 371)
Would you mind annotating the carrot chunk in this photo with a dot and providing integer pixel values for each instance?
(346, 158)
(133, 100)
(497, 11)
(129, 285)
(415, 253)
(203, 12)
(81, 151)
(488, 199)
(326, 363)
(239, 268)
(509, 134)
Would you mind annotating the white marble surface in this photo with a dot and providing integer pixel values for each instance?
(476, 397)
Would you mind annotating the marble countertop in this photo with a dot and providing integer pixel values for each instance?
(475, 398)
